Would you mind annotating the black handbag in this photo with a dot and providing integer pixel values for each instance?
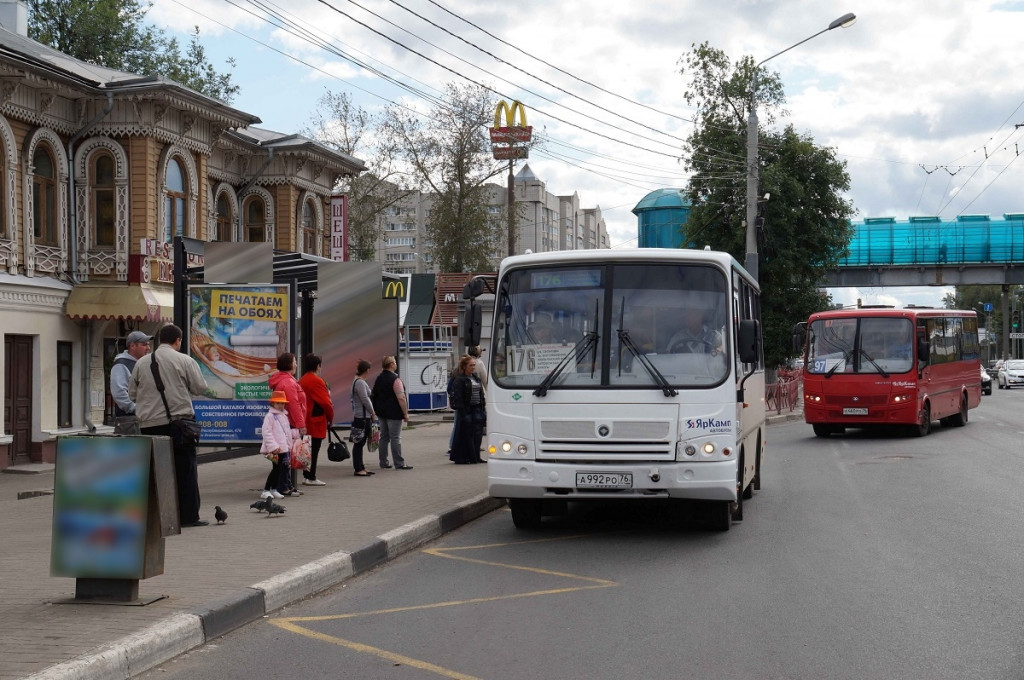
(337, 449)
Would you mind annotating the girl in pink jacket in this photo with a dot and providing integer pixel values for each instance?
(278, 435)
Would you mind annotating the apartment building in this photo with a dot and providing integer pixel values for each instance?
(545, 222)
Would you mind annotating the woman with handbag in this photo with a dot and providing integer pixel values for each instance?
(319, 413)
(470, 413)
(363, 416)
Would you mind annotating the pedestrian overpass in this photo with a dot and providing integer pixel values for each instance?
(929, 251)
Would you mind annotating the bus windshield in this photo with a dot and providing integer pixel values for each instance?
(642, 325)
(861, 345)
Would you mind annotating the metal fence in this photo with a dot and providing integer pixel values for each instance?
(785, 393)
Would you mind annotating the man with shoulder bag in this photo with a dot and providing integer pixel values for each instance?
(162, 385)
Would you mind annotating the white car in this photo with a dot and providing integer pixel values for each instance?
(1011, 374)
(986, 382)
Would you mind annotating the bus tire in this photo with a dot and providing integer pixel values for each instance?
(747, 492)
(526, 512)
(960, 419)
(822, 430)
(924, 425)
(718, 515)
(756, 484)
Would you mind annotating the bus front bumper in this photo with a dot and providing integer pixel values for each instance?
(532, 479)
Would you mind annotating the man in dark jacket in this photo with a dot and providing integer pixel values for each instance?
(392, 407)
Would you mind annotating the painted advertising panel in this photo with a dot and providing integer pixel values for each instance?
(236, 334)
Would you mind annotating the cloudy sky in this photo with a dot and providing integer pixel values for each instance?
(919, 97)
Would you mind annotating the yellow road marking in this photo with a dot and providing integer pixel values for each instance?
(289, 623)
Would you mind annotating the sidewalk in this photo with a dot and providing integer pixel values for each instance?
(218, 578)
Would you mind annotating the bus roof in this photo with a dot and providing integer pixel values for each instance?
(904, 312)
(604, 256)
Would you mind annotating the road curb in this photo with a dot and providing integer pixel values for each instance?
(134, 654)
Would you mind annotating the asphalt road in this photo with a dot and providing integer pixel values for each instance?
(868, 555)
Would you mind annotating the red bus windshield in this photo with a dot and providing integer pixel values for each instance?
(861, 345)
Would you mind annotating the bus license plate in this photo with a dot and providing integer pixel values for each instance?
(857, 411)
(604, 480)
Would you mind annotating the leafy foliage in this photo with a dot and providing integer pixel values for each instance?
(111, 33)
(449, 153)
(806, 225)
(352, 130)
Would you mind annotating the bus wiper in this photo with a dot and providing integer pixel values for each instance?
(867, 356)
(847, 356)
(641, 356)
(582, 346)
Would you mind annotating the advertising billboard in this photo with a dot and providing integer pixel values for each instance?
(236, 333)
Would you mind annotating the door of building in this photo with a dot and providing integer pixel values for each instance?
(18, 396)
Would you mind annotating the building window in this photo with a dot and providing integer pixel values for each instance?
(255, 220)
(174, 195)
(64, 368)
(224, 220)
(44, 197)
(308, 229)
(104, 234)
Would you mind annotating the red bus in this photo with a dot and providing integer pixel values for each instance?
(875, 366)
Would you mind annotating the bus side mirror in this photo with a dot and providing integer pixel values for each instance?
(747, 341)
(471, 323)
(473, 289)
(922, 350)
(799, 338)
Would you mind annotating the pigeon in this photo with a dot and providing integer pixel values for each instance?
(274, 509)
(220, 515)
(260, 505)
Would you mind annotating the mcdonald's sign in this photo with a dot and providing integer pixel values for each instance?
(393, 289)
(511, 132)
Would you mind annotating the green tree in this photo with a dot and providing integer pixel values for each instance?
(449, 153)
(351, 130)
(805, 228)
(111, 33)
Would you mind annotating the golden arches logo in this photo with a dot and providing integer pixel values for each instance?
(510, 114)
(394, 290)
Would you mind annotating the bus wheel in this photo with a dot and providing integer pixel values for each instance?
(756, 484)
(525, 512)
(925, 425)
(748, 491)
(718, 515)
(822, 430)
(960, 419)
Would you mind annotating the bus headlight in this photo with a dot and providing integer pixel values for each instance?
(522, 449)
(506, 446)
(813, 397)
(902, 398)
(690, 450)
(708, 448)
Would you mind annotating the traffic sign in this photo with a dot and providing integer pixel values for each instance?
(1016, 336)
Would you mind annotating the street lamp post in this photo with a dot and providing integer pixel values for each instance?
(751, 262)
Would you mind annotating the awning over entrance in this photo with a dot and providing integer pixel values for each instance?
(135, 301)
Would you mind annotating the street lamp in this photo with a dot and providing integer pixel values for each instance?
(844, 21)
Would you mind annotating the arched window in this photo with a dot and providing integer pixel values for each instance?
(307, 229)
(103, 220)
(224, 220)
(44, 196)
(174, 195)
(255, 220)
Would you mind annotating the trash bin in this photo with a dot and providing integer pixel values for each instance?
(114, 503)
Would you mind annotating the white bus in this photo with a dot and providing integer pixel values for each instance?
(632, 374)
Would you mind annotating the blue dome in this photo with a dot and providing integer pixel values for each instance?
(663, 198)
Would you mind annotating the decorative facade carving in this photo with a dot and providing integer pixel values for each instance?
(45, 258)
(92, 258)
